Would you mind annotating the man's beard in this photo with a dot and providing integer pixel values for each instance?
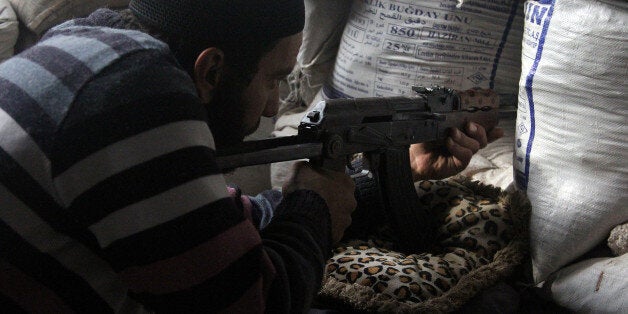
(226, 112)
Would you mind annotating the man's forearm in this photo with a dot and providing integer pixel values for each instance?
(298, 241)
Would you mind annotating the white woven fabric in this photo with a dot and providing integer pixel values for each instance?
(41, 15)
(571, 127)
(597, 285)
(8, 30)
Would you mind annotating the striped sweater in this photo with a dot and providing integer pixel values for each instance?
(110, 198)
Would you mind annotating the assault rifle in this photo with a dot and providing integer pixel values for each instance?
(381, 129)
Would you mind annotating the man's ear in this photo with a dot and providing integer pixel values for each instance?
(208, 71)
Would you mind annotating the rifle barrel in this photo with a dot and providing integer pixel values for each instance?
(245, 155)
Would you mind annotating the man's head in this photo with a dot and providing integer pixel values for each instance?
(235, 50)
(235, 102)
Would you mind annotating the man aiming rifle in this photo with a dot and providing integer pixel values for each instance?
(110, 196)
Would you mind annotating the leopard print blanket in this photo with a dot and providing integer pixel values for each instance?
(475, 223)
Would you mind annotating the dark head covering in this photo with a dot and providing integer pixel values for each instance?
(223, 20)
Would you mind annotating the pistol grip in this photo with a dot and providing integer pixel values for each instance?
(388, 195)
(412, 221)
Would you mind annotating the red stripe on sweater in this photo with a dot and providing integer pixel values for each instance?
(196, 265)
(28, 293)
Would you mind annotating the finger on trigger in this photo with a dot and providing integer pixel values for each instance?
(463, 140)
(478, 133)
(459, 152)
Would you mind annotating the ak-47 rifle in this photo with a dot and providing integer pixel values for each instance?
(381, 129)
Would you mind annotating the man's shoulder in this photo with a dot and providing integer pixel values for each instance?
(83, 70)
(89, 41)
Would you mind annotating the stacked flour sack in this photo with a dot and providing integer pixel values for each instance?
(384, 47)
(8, 30)
(23, 22)
(571, 154)
(38, 16)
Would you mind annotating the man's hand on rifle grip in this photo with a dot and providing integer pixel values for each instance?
(437, 161)
(336, 188)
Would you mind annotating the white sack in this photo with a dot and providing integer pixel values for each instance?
(41, 15)
(324, 21)
(571, 152)
(389, 45)
(8, 30)
(598, 285)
